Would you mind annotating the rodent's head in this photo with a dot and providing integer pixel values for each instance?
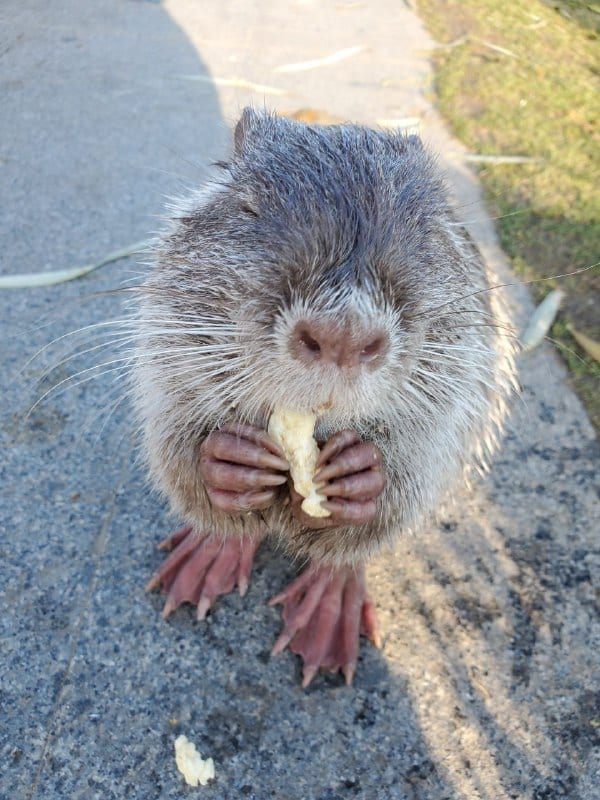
(306, 276)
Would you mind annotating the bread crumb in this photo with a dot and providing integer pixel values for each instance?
(293, 432)
(195, 770)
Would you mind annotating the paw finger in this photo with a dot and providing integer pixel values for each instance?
(187, 584)
(256, 435)
(236, 502)
(364, 485)
(356, 458)
(232, 477)
(228, 447)
(316, 640)
(171, 542)
(294, 590)
(171, 564)
(338, 442)
(353, 512)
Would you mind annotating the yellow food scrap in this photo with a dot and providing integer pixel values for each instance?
(293, 432)
(195, 770)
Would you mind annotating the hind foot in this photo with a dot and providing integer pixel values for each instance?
(201, 567)
(325, 611)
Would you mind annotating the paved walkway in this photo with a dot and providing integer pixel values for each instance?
(487, 683)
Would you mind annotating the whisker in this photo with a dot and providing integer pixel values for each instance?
(485, 325)
(514, 283)
(563, 346)
(116, 388)
(134, 334)
(111, 412)
(462, 311)
(413, 389)
(465, 348)
(452, 382)
(135, 326)
(463, 224)
(53, 389)
(447, 361)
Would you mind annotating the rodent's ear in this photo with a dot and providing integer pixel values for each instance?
(245, 124)
(402, 142)
(415, 141)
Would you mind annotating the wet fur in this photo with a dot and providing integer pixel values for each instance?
(339, 222)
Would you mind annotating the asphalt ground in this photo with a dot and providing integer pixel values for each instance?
(487, 682)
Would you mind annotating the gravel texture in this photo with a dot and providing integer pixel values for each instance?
(487, 682)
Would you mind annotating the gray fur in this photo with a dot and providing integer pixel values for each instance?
(339, 222)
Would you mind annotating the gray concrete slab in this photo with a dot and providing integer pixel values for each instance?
(487, 683)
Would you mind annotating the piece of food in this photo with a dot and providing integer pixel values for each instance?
(195, 770)
(293, 432)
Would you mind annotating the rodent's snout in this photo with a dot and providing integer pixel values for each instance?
(344, 346)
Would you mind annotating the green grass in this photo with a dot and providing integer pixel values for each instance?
(523, 78)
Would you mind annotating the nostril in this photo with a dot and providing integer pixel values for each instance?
(373, 349)
(325, 342)
(305, 344)
(309, 342)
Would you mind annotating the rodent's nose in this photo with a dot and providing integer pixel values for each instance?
(345, 346)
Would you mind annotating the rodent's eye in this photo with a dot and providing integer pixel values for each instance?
(247, 209)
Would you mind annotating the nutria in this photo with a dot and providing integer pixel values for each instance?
(322, 270)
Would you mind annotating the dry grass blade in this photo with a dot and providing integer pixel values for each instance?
(302, 66)
(541, 320)
(234, 83)
(591, 347)
(410, 124)
(33, 279)
(476, 158)
(496, 48)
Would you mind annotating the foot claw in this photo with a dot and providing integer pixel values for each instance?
(201, 568)
(152, 583)
(277, 599)
(348, 673)
(308, 673)
(282, 642)
(176, 538)
(204, 605)
(324, 612)
(368, 622)
(168, 608)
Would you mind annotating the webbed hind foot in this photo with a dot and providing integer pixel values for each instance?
(201, 567)
(325, 611)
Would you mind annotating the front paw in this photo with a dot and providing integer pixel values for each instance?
(241, 468)
(349, 475)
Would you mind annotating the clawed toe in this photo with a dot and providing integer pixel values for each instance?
(324, 613)
(201, 567)
(176, 538)
(184, 546)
